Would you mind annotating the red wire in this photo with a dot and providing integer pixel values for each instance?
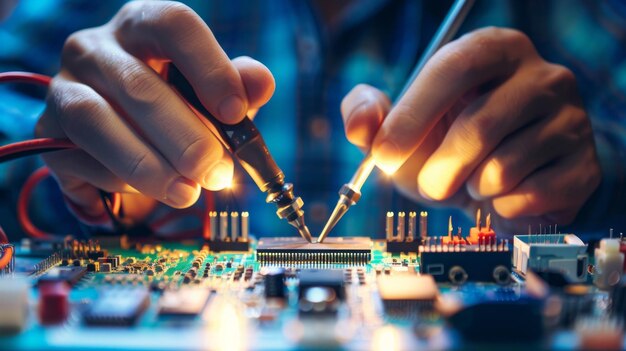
(24, 200)
(10, 151)
(6, 258)
(25, 77)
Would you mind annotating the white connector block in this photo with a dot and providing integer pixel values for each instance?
(13, 304)
(562, 252)
(609, 264)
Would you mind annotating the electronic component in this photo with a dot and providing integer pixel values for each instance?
(324, 278)
(68, 274)
(53, 302)
(185, 301)
(274, 282)
(13, 304)
(494, 319)
(349, 250)
(402, 241)
(117, 307)
(219, 240)
(564, 252)
(609, 264)
(7, 259)
(458, 263)
(316, 301)
(407, 294)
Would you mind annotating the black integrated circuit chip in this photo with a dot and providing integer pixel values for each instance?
(348, 250)
(117, 307)
(69, 274)
(325, 278)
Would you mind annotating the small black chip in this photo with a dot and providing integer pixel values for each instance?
(325, 278)
(118, 307)
(68, 274)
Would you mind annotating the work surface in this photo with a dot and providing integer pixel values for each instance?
(348, 295)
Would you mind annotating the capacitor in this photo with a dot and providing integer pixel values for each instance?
(53, 302)
(275, 283)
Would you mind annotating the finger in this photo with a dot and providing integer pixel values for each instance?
(558, 191)
(173, 31)
(472, 60)
(363, 109)
(479, 129)
(257, 80)
(525, 152)
(155, 111)
(92, 124)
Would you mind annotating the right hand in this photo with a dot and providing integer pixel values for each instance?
(134, 133)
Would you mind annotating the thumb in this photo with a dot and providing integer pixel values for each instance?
(363, 110)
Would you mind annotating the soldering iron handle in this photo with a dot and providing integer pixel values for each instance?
(242, 139)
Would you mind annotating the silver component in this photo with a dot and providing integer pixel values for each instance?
(412, 226)
(401, 226)
(457, 275)
(245, 226)
(389, 226)
(213, 225)
(223, 225)
(234, 226)
(423, 224)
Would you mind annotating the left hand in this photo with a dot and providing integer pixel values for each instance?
(488, 123)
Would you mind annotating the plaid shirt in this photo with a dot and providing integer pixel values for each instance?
(315, 64)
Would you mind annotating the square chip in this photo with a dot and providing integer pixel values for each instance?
(407, 294)
(118, 307)
(348, 250)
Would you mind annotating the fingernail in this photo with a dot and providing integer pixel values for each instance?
(232, 108)
(387, 157)
(219, 177)
(181, 192)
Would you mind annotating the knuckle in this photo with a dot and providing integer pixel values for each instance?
(78, 46)
(137, 82)
(558, 77)
(75, 109)
(137, 168)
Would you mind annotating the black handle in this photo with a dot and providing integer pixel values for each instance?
(243, 139)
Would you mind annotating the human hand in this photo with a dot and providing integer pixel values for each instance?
(488, 123)
(134, 133)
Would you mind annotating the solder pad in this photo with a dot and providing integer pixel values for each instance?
(349, 250)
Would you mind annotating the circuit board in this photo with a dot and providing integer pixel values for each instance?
(280, 293)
